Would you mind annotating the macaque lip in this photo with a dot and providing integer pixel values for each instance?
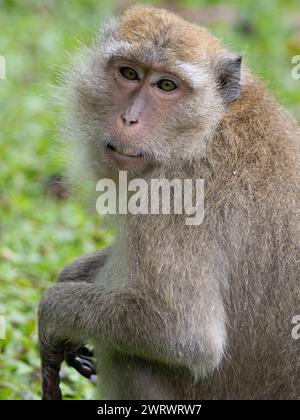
(124, 158)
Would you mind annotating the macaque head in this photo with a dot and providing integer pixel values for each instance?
(150, 92)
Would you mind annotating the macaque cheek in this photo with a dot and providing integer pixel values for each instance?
(157, 120)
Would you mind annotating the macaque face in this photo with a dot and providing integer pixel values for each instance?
(144, 102)
(151, 113)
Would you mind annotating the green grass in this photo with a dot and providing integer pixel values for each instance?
(38, 234)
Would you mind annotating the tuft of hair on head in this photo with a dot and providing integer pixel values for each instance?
(188, 45)
(164, 29)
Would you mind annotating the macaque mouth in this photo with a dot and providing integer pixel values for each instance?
(126, 151)
(127, 157)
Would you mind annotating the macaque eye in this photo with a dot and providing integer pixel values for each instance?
(129, 73)
(166, 85)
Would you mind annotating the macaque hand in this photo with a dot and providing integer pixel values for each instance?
(82, 360)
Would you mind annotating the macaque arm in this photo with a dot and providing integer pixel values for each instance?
(83, 269)
(72, 312)
(128, 319)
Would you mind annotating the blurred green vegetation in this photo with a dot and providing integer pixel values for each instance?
(39, 233)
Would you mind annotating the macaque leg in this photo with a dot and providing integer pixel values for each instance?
(127, 377)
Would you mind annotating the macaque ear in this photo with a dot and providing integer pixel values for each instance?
(228, 73)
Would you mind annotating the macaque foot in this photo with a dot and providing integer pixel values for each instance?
(82, 360)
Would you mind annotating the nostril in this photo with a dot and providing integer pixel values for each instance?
(128, 121)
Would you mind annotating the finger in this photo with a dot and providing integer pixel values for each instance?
(72, 358)
(89, 365)
(85, 367)
(84, 358)
(85, 351)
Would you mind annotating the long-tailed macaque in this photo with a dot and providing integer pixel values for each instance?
(178, 311)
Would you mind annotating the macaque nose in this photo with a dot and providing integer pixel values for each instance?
(129, 120)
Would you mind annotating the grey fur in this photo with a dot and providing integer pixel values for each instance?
(190, 312)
